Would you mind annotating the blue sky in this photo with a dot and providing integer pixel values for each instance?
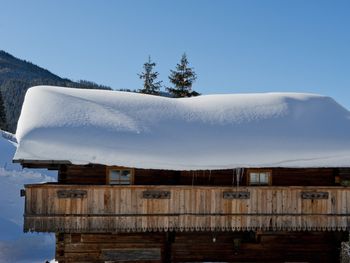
(234, 46)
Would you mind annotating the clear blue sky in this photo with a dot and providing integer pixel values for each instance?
(234, 46)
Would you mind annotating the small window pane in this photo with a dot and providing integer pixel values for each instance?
(125, 175)
(254, 178)
(119, 177)
(259, 178)
(264, 178)
(114, 174)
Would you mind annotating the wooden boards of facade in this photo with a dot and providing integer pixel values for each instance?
(199, 247)
(96, 175)
(124, 209)
(131, 247)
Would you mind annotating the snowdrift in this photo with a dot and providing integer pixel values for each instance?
(205, 132)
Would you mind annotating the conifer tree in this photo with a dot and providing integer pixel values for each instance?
(182, 78)
(149, 77)
(3, 125)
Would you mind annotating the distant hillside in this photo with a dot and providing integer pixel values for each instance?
(17, 75)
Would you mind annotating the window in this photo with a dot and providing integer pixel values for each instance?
(259, 178)
(120, 176)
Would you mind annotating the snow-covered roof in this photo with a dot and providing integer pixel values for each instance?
(205, 132)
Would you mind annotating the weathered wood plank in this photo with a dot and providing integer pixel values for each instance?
(96, 175)
(199, 247)
(131, 254)
(123, 208)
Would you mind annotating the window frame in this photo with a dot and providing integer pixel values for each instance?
(259, 171)
(119, 168)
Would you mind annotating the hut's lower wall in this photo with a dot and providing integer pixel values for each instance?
(199, 247)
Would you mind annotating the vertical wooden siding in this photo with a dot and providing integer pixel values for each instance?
(114, 208)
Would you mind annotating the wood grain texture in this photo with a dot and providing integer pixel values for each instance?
(199, 247)
(197, 208)
(96, 174)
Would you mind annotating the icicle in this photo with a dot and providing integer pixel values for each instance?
(192, 178)
(242, 173)
(239, 175)
(233, 177)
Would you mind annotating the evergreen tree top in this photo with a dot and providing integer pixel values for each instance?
(182, 78)
(150, 85)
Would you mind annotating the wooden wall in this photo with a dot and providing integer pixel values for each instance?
(280, 177)
(199, 247)
(83, 208)
(96, 174)
(82, 174)
(75, 248)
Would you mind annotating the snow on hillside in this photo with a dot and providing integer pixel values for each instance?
(15, 246)
(8, 144)
(205, 132)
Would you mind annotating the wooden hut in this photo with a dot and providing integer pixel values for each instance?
(221, 178)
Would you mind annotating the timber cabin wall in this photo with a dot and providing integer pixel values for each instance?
(253, 246)
(97, 175)
(166, 247)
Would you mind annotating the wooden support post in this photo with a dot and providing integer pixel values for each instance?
(169, 239)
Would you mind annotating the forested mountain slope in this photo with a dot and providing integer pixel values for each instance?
(17, 75)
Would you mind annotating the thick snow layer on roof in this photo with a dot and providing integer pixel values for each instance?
(205, 132)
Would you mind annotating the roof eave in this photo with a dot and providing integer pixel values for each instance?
(48, 164)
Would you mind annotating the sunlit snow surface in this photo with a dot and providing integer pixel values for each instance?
(15, 246)
(205, 132)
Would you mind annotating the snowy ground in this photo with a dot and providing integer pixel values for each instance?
(16, 246)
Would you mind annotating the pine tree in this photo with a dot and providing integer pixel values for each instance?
(150, 86)
(3, 125)
(182, 78)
